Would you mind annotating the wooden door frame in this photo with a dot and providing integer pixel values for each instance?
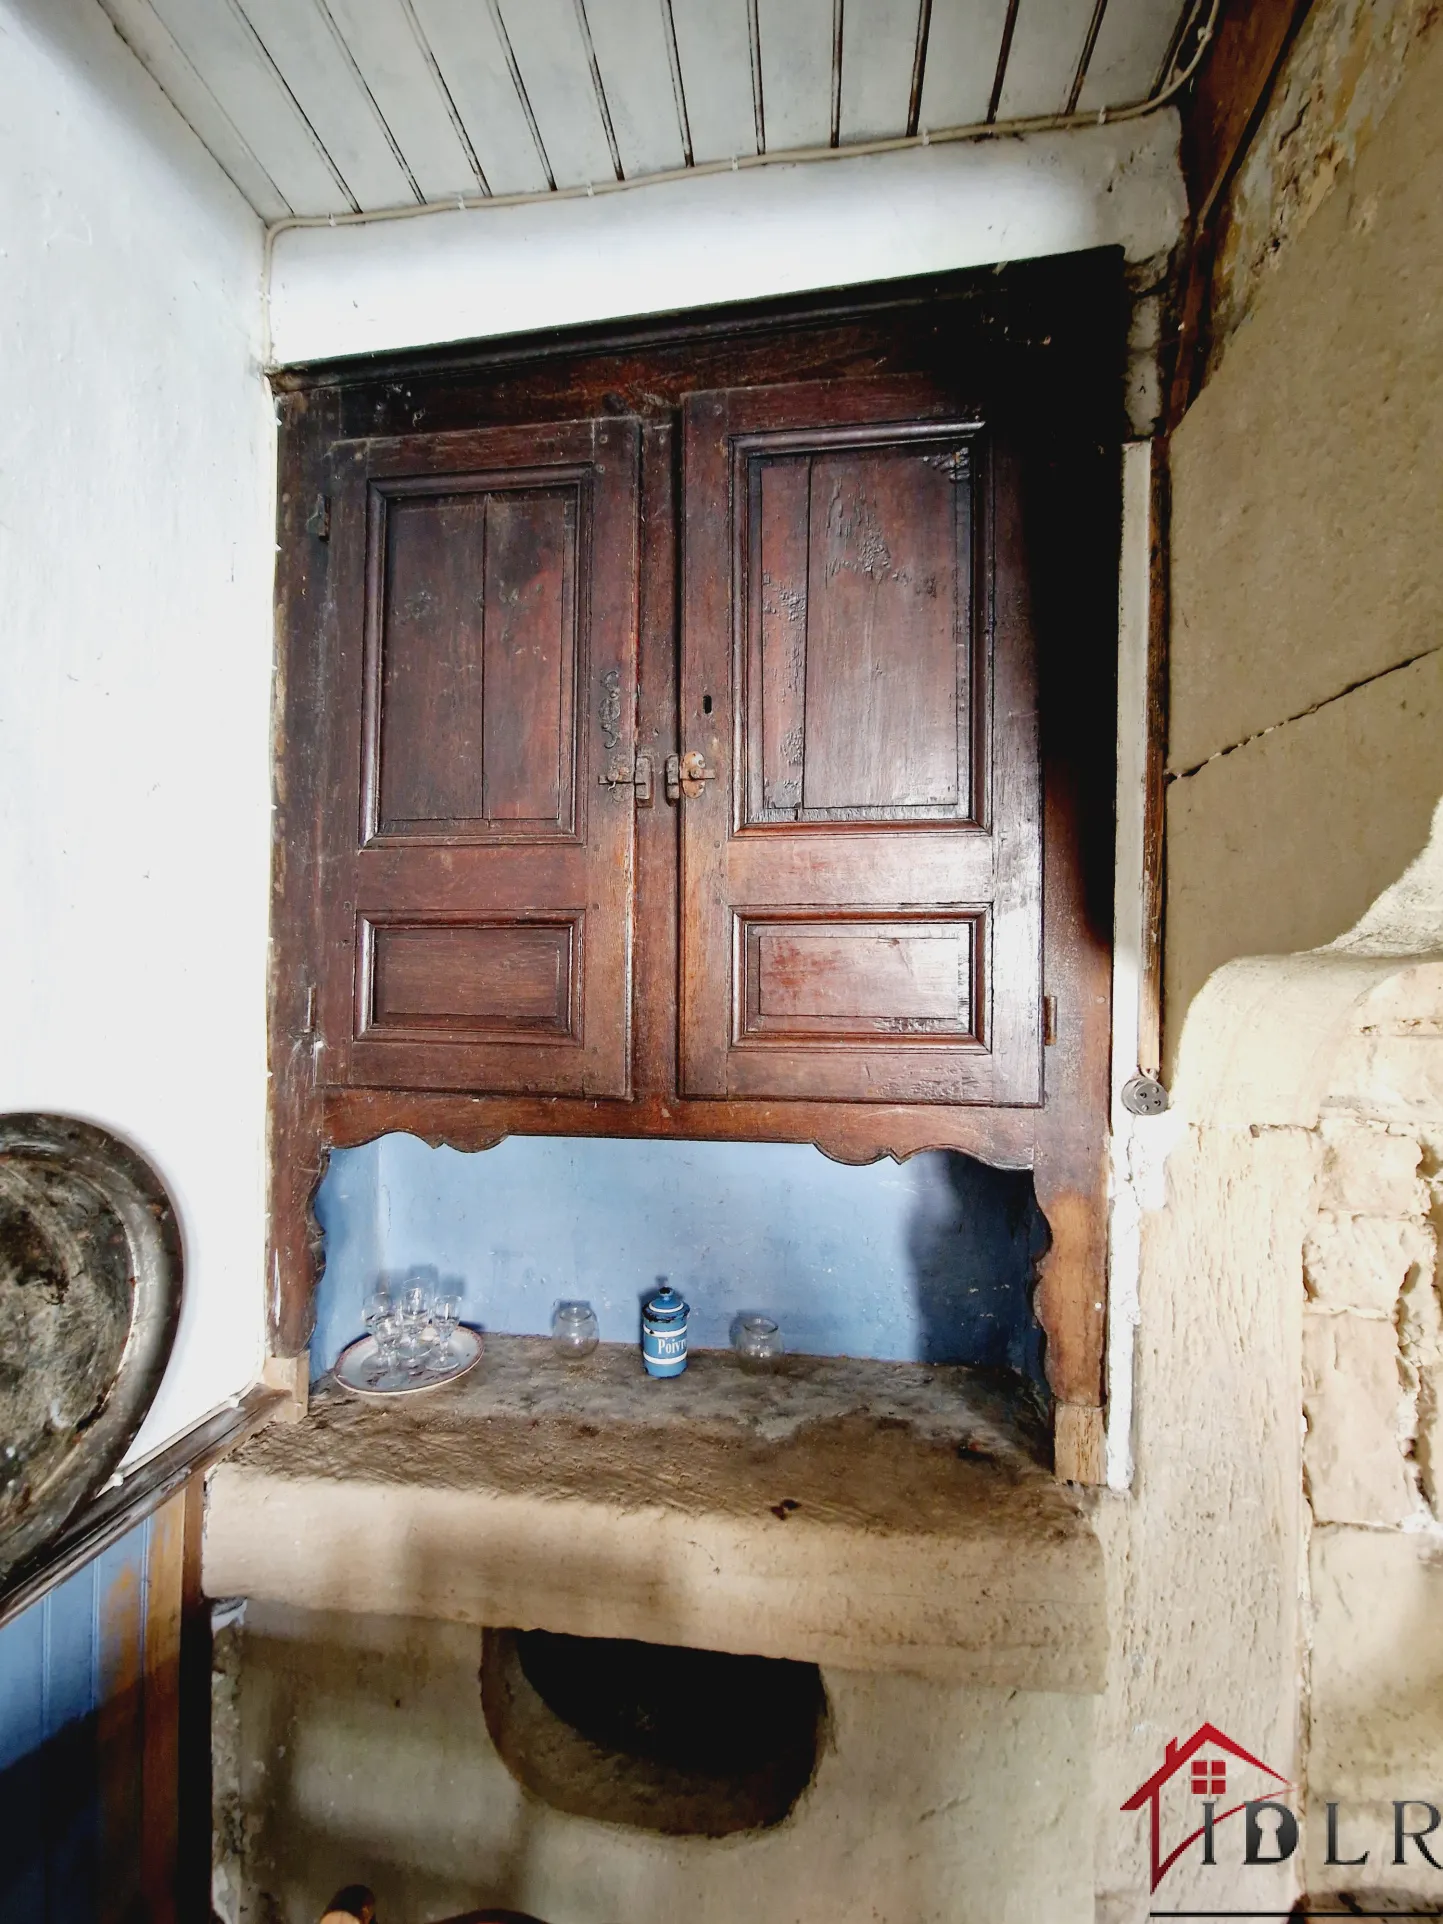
(1060, 323)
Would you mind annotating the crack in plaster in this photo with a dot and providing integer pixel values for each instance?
(1183, 774)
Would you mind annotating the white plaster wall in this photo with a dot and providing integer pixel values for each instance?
(136, 454)
(354, 289)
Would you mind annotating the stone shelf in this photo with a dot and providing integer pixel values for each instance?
(868, 1516)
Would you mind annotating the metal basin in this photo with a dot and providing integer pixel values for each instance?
(90, 1281)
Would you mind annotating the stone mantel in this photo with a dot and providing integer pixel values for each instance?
(868, 1516)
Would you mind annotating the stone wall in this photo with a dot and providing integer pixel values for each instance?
(350, 1746)
(1305, 755)
(1373, 1368)
(1305, 766)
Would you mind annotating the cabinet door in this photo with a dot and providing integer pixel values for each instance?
(481, 687)
(861, 884)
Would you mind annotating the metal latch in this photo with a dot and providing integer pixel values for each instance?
(687, 775)
(637, 777)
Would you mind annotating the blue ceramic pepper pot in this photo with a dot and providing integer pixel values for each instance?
(663, 1332)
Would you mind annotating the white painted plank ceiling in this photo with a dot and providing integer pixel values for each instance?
(714, 49)
(964, 43)
(336, 107)
(879, 53)
(1044, 57)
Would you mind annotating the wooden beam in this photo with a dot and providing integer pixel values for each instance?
(1247, 49)
(159, 1840)
(1250, 42)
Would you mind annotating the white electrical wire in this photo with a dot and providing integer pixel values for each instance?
(899, 143)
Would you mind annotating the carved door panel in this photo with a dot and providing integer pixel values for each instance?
(481, 688)
(861, 871)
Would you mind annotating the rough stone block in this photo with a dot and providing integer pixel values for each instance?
(1377, 1713)
(1428, 1448)
(1420, 1321)
(583, 1503)
(1377, 1637)
(1365, 1262)
(1400, 1076)
(1371, 1171)
(1355, 1406)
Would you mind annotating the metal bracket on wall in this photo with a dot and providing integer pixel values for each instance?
(1144, 1096)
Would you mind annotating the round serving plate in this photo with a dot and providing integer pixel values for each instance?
(90, 1282)
(358, 1368)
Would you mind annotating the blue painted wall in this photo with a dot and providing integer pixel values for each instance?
(62, 1663)
(929, 1260)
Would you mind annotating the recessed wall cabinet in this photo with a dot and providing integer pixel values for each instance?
(705, 728)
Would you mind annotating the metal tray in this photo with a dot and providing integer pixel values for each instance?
(90, 1287)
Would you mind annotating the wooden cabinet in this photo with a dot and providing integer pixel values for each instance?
(705, 727)
(479, 902)
(861, 901)
(860, 914)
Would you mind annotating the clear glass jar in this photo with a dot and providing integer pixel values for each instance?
(757, 1340)
(574, 1332)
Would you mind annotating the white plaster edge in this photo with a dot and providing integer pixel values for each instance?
(1124, 1236)
(698, 242)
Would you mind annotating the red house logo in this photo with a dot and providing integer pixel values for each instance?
(1200, 1774)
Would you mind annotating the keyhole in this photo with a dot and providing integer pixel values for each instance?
(706, 704)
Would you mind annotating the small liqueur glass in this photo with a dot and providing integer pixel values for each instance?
(574, 1331)
(414, 1348)
(377, 1305)
(387, 1329)
(445, 1316)
(417, 1336)
(757, 1341)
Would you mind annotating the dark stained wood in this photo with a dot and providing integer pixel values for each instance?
(159, 1829)
(860, 978)
(1154, 878)
(846, 1131)
(857, 699)
(858, 554)
(1248, 43)
(657, 827)
(310, 424)
(481, 684)
(530, 586)
(887, 644)
(1074, 496)
(194, 1801)
(484, 980)
(1035, 348)
(775, 717)
(477, 705)
(1039, 326)
(1220, 115)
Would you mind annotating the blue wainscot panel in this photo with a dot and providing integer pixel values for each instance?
(69, 1764)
